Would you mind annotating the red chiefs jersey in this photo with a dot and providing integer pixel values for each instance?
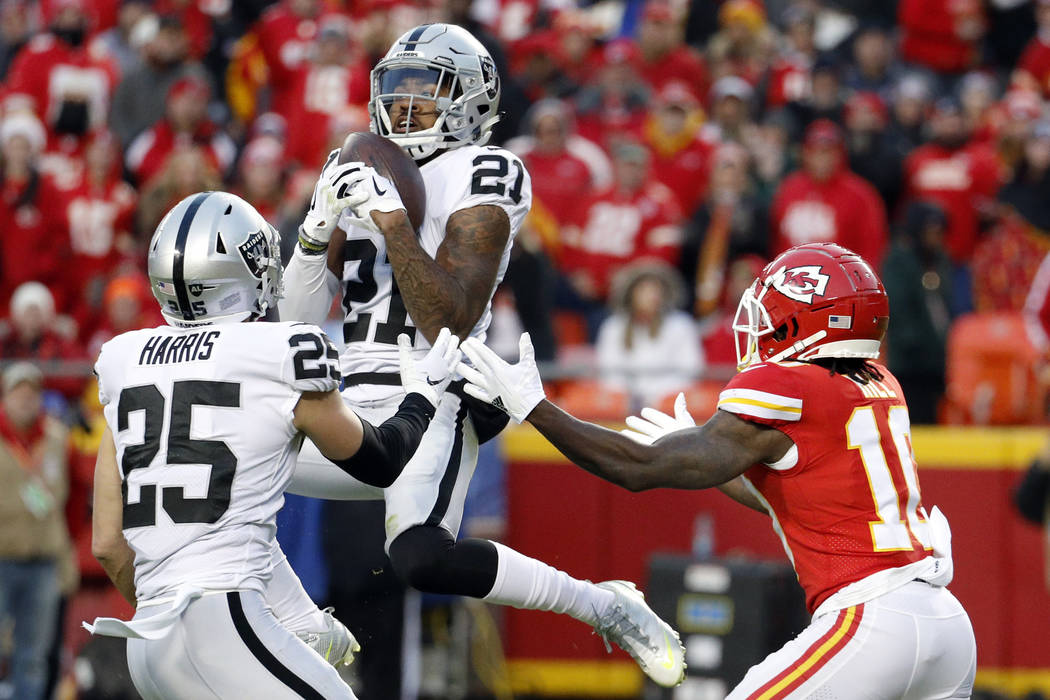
(929, 33)
(789, 80)
(614, 229)
(847, 505)
(321, 92)
(957, 180)
(562, 180)
(148, 153)
(683, 164)
(96, 216)
(34, 244)
(47, 69)
(845, 209)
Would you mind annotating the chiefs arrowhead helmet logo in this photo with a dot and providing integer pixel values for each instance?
(800, 283)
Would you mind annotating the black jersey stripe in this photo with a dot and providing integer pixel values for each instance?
(179, 261)
(260, 652)
(451, 475)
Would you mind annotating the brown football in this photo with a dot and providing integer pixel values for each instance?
(392, 163)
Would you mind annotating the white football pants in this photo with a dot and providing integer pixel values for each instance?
(229, 645)
(913, 643)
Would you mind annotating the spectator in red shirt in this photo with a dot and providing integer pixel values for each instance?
(99, 215)
(565, 167)
(34, 242)
(262, 174)
(67, 82)
(681, 159)
(185, 123)
(1034, 67)
(34, 332)
(789, 79)
(333, 78)
(825, 202)
(960, 176)
(635, 218)
(665, 57)
(942, 35)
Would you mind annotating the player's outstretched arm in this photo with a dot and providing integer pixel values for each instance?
(377, 454)
(692, 458)
(107, 521)
(453, 288)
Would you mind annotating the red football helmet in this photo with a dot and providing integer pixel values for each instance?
(814, 300)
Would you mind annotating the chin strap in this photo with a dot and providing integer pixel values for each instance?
(798, 346)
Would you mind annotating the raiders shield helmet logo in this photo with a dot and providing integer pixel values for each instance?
(256, 253)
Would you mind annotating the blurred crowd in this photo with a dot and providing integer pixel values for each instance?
(675, 147)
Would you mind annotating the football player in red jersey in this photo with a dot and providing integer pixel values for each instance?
(815, 433)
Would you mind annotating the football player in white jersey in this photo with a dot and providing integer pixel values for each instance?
(436, 94)
(204, 419)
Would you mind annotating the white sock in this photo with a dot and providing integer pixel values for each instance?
(523, 582)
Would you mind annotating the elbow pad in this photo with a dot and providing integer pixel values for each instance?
(385, 449)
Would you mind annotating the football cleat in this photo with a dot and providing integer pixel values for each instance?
(335, 643)
(640, 632)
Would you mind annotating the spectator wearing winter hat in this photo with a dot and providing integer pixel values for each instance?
(185, 124)
(35, 242)
(128, 305)
(648, 347)
(616, 103)
(826, 202)
(681, 158)
(742, 42)
(977, 96)
(961, 176)
(917, 274)
(665, 57)
(33, 331)
(566, 167)
(909, 111)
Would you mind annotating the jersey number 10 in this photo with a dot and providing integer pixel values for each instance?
(900, 520)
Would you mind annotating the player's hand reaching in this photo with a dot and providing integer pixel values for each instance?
(366, 191)
(514, 389)
(654, 424)
(323, 215)
(429, 376)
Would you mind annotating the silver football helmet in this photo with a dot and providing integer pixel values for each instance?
(214, 259)
(443, 63)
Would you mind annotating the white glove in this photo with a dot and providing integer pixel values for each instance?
(366, 191)
(431, 375)
(514, 389)
(654, 424)
(330, 198)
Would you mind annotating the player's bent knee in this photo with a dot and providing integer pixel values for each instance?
(429, 559)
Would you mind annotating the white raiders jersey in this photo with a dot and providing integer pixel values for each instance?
(202, 422)
(375, 313)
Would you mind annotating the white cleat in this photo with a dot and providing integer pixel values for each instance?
(640, 632)
(335, 643)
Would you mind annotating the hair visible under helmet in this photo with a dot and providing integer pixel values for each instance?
(466, 89)
(214, 259)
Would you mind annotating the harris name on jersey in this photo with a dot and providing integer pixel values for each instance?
(165, 348)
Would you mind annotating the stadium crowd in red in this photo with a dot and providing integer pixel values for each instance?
(710, 136)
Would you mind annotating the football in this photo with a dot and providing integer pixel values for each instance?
(392, 163)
